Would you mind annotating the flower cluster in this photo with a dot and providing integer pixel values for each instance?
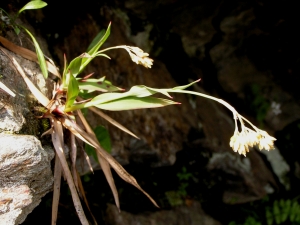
(139, 56)
(242, 140)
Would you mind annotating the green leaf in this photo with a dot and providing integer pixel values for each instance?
(139, 91)
(85, 94)
(37, 4)
(276, 212)
(78, 64)
(269, 217)
(252, 221)
(285, 209)
(103, 137)
(96, 40)
(130, 103)
(93, 51)
(131, 97)
(293, 211)
(100, 42)
(84, 111)
(185, 86)
(297, 217)
(72, 91)
(91, 152)
(75, 64)
(97, 85)
(16, 29)
(39, 53)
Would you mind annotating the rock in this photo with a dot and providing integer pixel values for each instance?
(16, 112)
(279, 166)
(25, 176)
(25, 169)
(181, 215)
(228, 46)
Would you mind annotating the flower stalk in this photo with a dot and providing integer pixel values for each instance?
(136, 54)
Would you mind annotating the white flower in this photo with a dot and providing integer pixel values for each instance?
(266, 141)
(138, 56)
(241, 141)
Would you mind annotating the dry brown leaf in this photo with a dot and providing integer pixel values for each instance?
(57, 140)
(73, 154)
(81, 191)
(36, 92)
(113, 163)
(6, 89)
(112, 121)
(56, 189)
(103, 163)
(27, 54)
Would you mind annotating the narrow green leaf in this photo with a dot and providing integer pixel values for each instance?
(285, 208)
(85, 94)
(130, 103)
(97, 85)
(276, 211)
(297, 217)
(269, 217)
(16, 29)
(185, 86)
(40, 54)
(75, 64)
(103, 137)
(90, 151)
(138, 91)
(37, 4)
(93, 51)
(73, 90)
(100, 42)
(78, 64)
(293, 211)
(96, 40)
(101, 54)
(297, 212)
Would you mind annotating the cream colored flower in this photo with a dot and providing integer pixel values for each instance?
(138, 56)
(252, 137)
(266, 141)
(241, 141)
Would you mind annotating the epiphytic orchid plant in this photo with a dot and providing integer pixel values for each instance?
(64, 113)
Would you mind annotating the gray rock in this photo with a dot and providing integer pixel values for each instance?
(25, 169)
(25, 176)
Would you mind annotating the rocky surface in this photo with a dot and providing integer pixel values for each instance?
(25, 166)
(243, 56)
(25, 176)
(181, 215)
